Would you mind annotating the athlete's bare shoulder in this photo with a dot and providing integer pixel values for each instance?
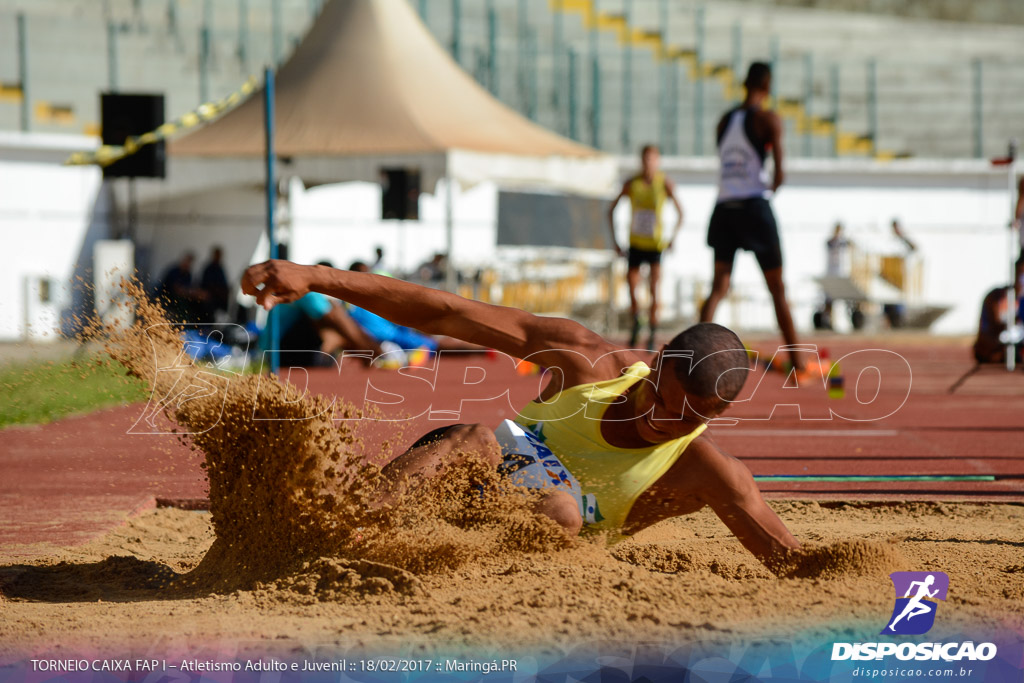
(764, 122)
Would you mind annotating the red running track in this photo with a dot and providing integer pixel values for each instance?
(69, 481)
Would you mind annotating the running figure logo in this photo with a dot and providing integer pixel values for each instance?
(916, 595)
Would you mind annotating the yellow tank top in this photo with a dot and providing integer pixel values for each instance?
(645, 231)
(570, 425)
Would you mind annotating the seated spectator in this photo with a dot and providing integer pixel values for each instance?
(378, 266)
(176, 293)
(988, 348)
(384, 330)
(313, 326)
(214, 285)
(433, 270)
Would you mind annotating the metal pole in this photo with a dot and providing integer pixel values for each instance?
(492, 47)
(204, 64)
(834, 77)
(531, 109)
(557, 48)
(674, 67)
(456, 30)
(26, 119)
(271, 195)
(698, 84)
(663, 89)
(873, 103)
(277, 31)
(204, 52)
(979, 118)
(627, 83)
(774, 62)
(737, 51)
(573, 130)
(663, 103)
(595, 103)
(808, 104)
(172, 17)
(521, 54)
(243, 34)
(449, 233)
(595, 82)
(111, 56)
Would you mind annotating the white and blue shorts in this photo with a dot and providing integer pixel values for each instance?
(529, 463)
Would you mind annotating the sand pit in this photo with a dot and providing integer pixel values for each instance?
(681, 581)
(295, 557)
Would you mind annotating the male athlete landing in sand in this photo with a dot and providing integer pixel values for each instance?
(633, 437)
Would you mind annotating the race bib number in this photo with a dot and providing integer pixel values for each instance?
(644, 222)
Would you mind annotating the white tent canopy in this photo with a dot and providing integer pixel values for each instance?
(369, 88)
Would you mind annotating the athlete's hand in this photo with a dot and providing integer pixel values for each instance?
(618, 251)
(277, 282)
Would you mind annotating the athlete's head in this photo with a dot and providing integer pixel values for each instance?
(650, 156)
(759, 77)
(710, 362)
(700, 372)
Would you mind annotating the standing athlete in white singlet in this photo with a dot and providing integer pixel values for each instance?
(743, 217)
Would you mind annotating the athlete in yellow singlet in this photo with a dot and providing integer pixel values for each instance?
(627, 427)
(647, 193)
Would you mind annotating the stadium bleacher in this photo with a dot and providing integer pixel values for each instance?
(611, 73)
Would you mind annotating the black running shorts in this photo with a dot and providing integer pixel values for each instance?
(745, 224)
(637, 257)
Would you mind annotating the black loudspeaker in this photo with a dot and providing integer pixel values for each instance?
(400, 194)
(122, 117)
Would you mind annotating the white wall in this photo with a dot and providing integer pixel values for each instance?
(341, 223)
(49, 216)
(233, 219)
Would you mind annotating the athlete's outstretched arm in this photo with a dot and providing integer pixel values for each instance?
(433, 311)
(737, 501)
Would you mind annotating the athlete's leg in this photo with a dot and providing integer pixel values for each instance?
(435, 452)
(719, 288)
(561, 507)
(777, 288)
(652, 320)
(633, 281)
